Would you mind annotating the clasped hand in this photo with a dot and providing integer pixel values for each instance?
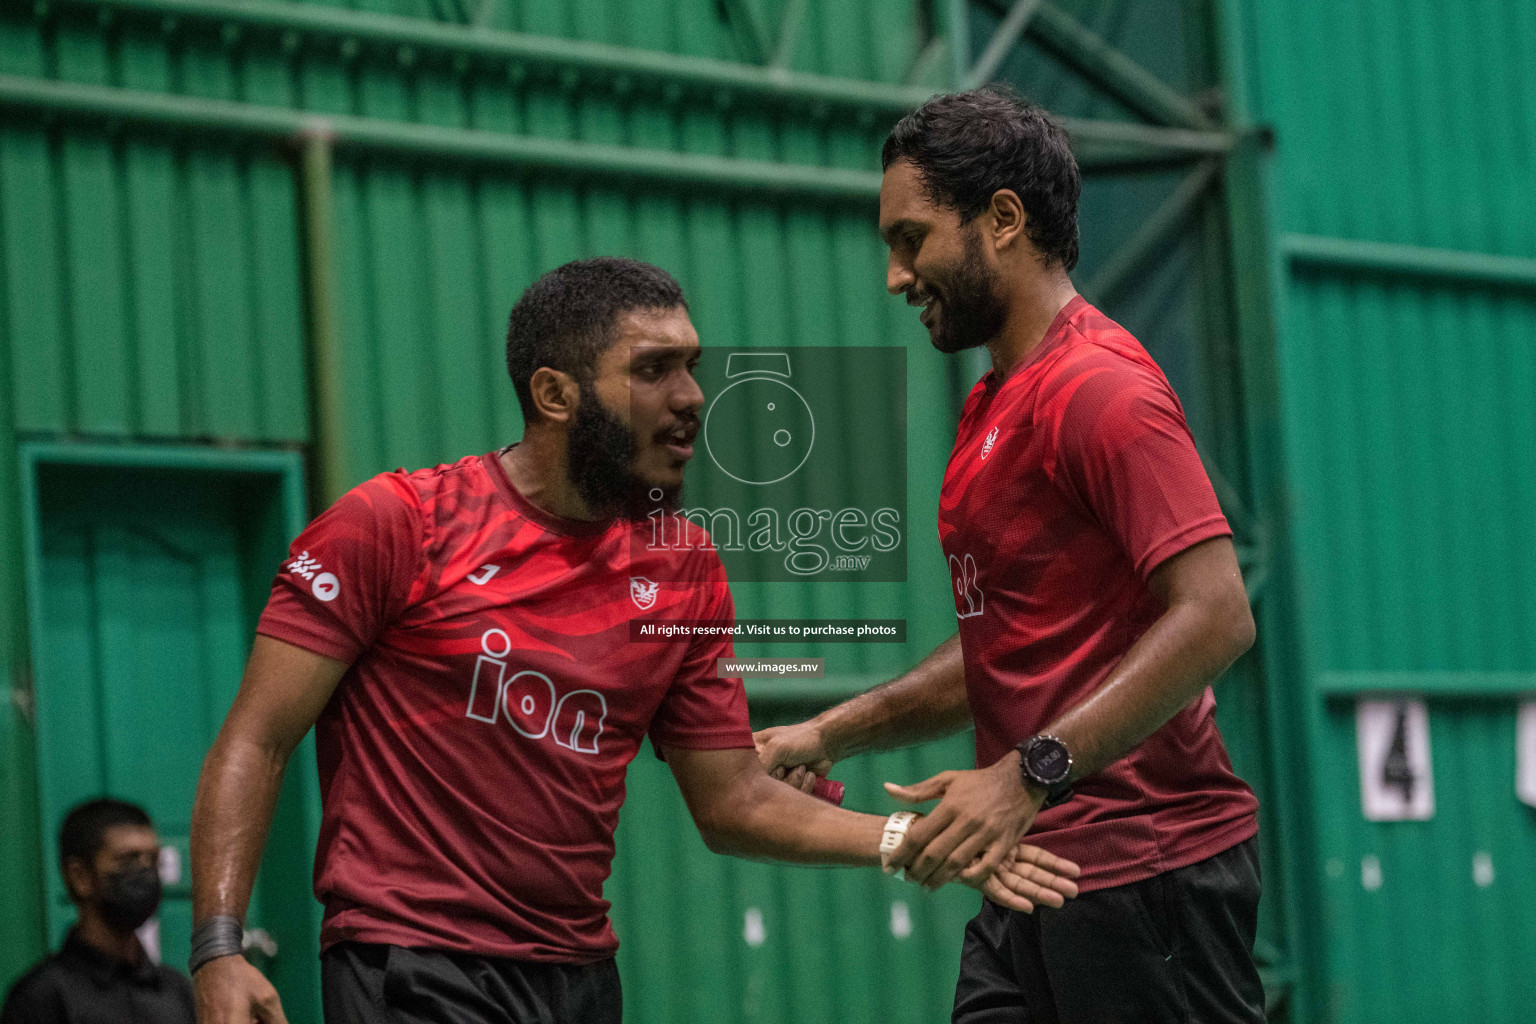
(979, 813)
(974, 832)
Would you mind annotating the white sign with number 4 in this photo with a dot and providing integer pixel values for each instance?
(1392, 737)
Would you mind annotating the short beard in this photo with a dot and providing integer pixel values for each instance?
(599, 457)
(974, 313)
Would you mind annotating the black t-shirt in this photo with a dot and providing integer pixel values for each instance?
(82, 985)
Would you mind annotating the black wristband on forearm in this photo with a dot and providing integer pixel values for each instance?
(220, 935)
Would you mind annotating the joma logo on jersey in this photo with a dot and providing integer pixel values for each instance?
(324, 585)
(529, 703)
(986, 448)
(643, 592)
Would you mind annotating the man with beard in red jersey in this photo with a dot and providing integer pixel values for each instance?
(460, 639)
(1097, 594)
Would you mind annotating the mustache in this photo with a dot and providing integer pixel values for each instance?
(687, 426)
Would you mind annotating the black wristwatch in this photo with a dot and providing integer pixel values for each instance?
(1045, 761)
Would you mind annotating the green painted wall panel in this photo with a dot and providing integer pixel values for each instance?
(1406, 418)
(131, 312)
(1463, 953)
(21, 895)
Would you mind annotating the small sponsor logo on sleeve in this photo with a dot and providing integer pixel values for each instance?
(324, 585)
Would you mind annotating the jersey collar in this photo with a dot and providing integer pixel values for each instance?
(1053, 336)
(491, 461)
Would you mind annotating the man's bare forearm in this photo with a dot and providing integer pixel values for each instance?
(236, 797)
(283, 691)
(740, 810)
(1200, 635)
(766, 819)
(924, 703)
(1171, 665)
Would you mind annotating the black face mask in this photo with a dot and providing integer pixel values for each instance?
(128, 898)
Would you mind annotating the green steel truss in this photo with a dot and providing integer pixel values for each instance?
(572, 64)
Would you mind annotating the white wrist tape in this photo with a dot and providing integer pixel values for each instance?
(895, 830)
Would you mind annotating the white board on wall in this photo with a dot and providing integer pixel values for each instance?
(1525, 753)
(1396, 779)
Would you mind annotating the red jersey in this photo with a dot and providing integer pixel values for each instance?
(472, 759)
(1070, 481)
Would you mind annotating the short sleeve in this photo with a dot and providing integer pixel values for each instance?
(700, 711)
(1123, 451)
(351, 572)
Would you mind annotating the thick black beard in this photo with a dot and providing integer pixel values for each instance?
(599, 457)
(973, 312)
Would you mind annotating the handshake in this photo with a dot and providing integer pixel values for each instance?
(972, 836)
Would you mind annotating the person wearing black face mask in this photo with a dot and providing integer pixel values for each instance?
(108, 854)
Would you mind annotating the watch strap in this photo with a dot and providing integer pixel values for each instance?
(895, 831)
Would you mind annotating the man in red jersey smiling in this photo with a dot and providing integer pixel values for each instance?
(1097, 594)
(459, 638)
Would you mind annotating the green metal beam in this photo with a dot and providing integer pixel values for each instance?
(956, 30)
(1469, 685)
(702, 76)
(1163, 222)
(789, 33)
(1451, 265)
(1109, 69)
(330, 443)
(930, 64)
(418, 140)
(748, 29)
(1121, 143)
(1001, 43)
(1098, 143)
(1105, 142)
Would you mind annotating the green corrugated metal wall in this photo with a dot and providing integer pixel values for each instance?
(1404, 217)
(154, 289)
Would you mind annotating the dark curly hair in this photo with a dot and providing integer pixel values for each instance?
(84, 829)
(568, 317)
(968, 145)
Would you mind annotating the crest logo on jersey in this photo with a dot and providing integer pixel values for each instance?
(986, 448)
(643, 592)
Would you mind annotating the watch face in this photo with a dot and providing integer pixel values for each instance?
(1049, 762)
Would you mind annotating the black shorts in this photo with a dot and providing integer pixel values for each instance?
(1176, 948)
(368, 984)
